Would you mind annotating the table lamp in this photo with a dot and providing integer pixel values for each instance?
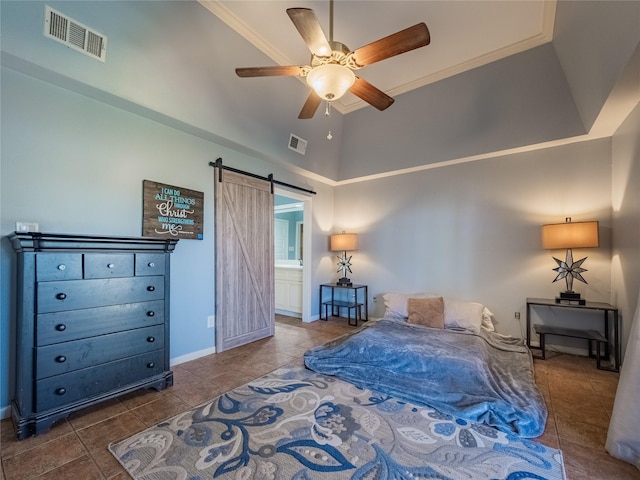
(344, 242)
(570, 235)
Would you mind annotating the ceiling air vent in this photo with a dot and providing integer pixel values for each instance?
(297, 144)
(74, 35)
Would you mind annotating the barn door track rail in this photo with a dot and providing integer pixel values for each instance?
(218, 164)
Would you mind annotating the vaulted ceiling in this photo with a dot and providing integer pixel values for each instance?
(465, 34)
(498, 76)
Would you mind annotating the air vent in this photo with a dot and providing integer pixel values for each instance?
(297, 144)
(73, 34)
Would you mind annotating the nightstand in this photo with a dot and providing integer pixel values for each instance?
(357, 301)
(610, 344)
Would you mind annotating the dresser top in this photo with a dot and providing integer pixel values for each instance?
(42, 242)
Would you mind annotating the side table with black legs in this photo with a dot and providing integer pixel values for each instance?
(358, 305)
(606, 344)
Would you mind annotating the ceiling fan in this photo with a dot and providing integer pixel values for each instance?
(330, 74)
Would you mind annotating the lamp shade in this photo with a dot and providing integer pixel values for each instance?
(344, 242)
(570, 235)
(331, 81)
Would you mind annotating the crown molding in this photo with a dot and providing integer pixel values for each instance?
(352, 103)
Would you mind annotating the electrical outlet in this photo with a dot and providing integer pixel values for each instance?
(211, 321)
(517, 315)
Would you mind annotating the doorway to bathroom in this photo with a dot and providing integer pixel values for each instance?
(292, 248)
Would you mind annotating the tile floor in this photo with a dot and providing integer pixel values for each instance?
(579, 398)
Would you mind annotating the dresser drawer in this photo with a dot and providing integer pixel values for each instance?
(89, 352)
(76, 324)
(90, 382)
(58, 266)
(108, 265)
(76, 294)
(149, 264)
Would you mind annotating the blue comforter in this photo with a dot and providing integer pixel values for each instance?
(481, 377)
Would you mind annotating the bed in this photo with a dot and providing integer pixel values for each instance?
(446, 356)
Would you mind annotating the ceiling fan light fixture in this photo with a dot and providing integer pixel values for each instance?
(331, 81)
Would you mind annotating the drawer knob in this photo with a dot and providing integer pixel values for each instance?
(61, 296)
(111, 265)
(61, 327)
(61, 391)
(151, 365)
(151, 313)
(151, 264)
(151, 288)
(62, 267)
(151, 339)
(61, 359)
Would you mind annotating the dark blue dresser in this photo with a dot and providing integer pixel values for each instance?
(92, 322)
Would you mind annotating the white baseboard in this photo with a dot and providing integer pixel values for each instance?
(288, 313)
(191, 356)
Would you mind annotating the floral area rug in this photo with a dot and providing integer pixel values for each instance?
(296, 424)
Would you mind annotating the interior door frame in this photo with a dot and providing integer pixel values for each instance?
(306, 248)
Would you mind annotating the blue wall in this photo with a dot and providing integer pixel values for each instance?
(76, 165)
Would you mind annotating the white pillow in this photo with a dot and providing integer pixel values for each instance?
(487, 320)
(458, 313)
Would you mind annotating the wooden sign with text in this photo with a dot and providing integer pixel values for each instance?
(169, 211)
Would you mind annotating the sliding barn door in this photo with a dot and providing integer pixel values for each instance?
(244, 260)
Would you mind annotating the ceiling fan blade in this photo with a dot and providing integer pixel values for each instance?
(269, 71)
(310, 106)
(370, 94)
(308, 26)
(395, 44)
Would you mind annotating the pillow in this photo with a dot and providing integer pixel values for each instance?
(461, 314)
(457, 313)
(426, 311)
(396, 303)
(487, 320)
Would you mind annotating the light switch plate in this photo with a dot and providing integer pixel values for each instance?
(27, 227)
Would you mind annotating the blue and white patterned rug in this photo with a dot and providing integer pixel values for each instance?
(296, 424)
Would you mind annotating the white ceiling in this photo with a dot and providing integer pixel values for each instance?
(464, 34)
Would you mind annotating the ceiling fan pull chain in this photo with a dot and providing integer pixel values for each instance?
(327, 112)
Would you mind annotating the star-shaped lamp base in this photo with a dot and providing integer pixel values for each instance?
(568, 269)
(344, 265)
